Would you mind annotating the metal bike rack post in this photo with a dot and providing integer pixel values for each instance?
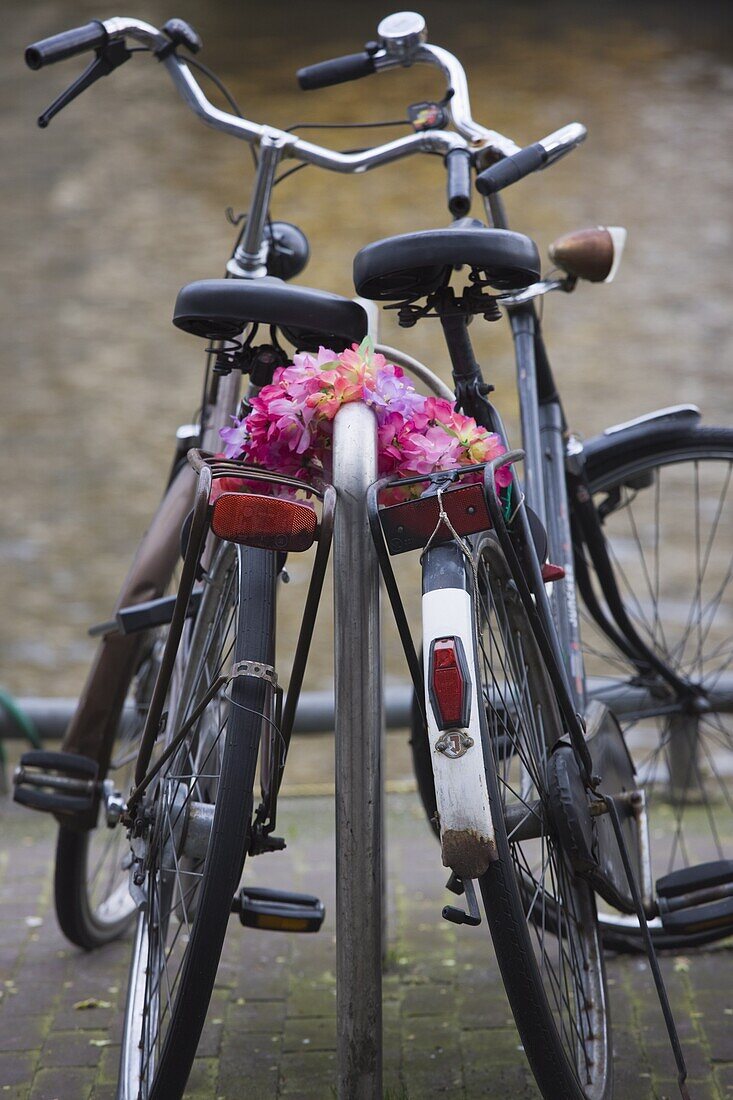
(358, 723)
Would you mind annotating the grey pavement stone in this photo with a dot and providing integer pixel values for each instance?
(104, 1092)
(107, 1067)
(63, 1083)
(73, 1048)
(668, 1089)
(311, 999)
(723, 1076)
(311, 1034)
(305, 1076)
(22, 1032)
(16, 1068)
(202, 1082)
(14, 1092)
(252, 1017)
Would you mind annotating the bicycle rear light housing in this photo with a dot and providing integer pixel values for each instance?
(410, 524)
(449, 683)
(270, 523)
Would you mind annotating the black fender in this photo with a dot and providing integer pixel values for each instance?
(635, 437)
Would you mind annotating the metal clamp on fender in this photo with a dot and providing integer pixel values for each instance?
(258, 669)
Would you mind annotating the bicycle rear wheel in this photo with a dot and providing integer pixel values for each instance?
(541, 916)
(668, 523)
(190, 858)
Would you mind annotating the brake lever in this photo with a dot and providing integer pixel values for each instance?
(107, 59)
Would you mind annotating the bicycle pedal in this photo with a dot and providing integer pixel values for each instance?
(454, 884)
(145, 616)
(57, 782)
(696, 899)
(278, 910)
(459, 916)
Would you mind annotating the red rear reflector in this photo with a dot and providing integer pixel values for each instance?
(450, 689)
(409, 525)
(270, 523)
(552, 572)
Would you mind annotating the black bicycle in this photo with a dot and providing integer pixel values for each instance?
(538, 796)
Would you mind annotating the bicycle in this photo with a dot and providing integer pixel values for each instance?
(502, 684)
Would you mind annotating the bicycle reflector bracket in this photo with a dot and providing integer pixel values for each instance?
(270, 523)
(449, 683)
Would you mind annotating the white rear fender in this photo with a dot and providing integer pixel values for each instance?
(466, 830)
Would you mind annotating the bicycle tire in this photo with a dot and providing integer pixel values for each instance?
(88, 916)
(560, 1011)
(84, 922)
(691, 469)
(158, 1052)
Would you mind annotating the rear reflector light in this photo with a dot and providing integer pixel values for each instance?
(270, 523)
(449, 683)
(409, 525)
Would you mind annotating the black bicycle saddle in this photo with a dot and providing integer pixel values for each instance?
(401, 269)
(218, 309)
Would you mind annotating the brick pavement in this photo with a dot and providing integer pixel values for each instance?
(271, 1030)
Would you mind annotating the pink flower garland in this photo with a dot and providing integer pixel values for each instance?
(290, 426)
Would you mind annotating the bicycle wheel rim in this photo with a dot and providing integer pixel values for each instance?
(670, 541)
(542, 918)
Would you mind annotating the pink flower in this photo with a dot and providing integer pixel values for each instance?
(290, 426)
(235, 438)
(425, 452)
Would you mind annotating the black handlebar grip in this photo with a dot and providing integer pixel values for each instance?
(511, 169)
(458, 164)
(60, 46)
(336, 71)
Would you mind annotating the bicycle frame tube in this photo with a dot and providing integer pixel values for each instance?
(92, 728)
(543, 440)
(548, 468)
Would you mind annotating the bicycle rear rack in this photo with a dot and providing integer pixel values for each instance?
(210, 469)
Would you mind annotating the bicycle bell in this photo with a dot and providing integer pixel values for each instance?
(401, 34)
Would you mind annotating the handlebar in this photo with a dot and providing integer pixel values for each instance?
(338, 70)
(469, 133)
(537, 156)
(67, 44)
(402, 43)
(458, 163)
